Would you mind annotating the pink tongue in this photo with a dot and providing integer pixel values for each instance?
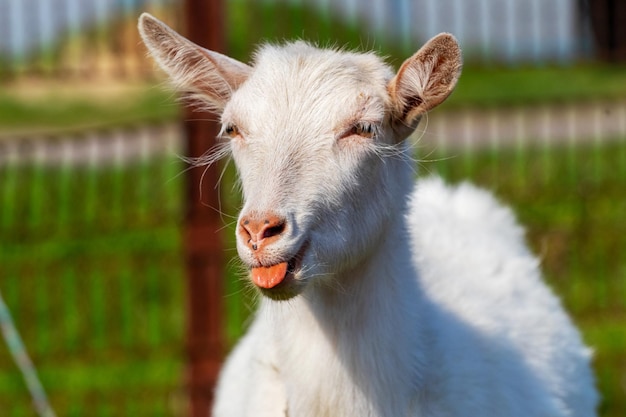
(269, 277)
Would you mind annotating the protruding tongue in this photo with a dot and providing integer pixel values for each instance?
(269, 277)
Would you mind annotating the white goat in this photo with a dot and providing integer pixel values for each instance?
(400, 302)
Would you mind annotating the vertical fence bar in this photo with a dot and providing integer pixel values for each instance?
(204, 26)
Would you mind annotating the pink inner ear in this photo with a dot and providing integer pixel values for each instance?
(411, 103)
(427, 78)
(208, 77)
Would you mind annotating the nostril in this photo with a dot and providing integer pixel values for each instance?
(273, 230)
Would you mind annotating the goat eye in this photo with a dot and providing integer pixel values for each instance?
(231, 130)
(365, 130)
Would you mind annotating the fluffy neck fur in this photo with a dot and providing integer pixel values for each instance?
(364, 330)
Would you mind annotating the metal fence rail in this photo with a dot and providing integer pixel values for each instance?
(123, 145)
(565, 124)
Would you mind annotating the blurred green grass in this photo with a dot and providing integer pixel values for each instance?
(91, 267)
(98, 294)
(58, 107)
(498, 87)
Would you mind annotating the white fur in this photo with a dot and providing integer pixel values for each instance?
(407, 302)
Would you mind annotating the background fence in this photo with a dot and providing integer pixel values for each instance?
(92, 192)
(71, 38)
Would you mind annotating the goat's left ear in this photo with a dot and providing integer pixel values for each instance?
(426, 79)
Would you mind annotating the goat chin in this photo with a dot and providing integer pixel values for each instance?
(381, 298)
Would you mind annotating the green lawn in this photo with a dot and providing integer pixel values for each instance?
(505, 87)
(91, 268)
(65, 107)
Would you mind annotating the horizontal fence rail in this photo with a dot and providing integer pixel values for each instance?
(116, 146)
(540, 125)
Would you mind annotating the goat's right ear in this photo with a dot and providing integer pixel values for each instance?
(206, 75)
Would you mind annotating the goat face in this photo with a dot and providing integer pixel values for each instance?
(316, 136)
(307, 130)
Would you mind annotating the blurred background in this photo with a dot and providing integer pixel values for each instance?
(95, 200)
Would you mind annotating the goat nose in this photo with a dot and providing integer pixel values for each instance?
(257, 231)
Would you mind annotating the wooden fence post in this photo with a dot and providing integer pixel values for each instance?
(608, 24)
(203, 22)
